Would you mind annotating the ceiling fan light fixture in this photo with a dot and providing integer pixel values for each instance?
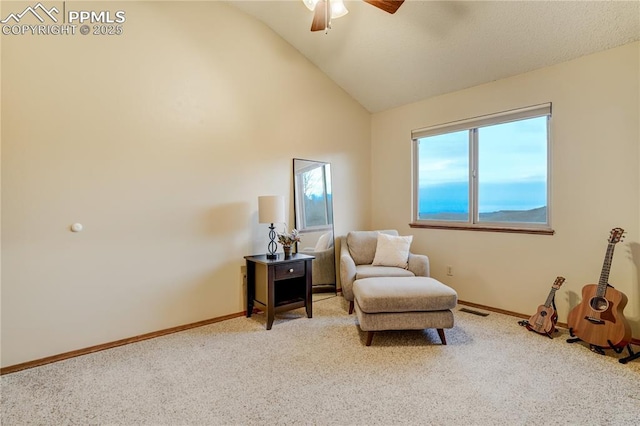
(311, 4)
(326, 10)
(338, 9)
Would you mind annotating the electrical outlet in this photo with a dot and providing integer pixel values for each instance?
(450, 270)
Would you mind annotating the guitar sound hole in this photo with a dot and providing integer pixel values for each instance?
(543, 313)
(599, 304)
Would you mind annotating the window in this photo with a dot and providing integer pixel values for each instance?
(486, 173)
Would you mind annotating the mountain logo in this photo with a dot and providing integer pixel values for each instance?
(34, 11)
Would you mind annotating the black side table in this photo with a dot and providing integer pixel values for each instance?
(278, 285)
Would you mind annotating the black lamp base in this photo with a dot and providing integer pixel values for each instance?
(272, 243)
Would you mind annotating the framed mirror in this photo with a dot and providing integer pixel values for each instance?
(313, 206)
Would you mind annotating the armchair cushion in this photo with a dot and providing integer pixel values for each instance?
(392, 251)
(370, 271)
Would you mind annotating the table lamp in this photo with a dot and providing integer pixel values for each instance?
(271, 210)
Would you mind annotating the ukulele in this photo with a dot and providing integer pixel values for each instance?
(545, 319)
(598, 319)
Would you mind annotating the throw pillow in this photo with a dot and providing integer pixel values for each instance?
(392, 251)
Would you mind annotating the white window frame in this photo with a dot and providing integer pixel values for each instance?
(471, 125)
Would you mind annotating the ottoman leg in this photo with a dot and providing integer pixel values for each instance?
(369, 337)
(441, 334)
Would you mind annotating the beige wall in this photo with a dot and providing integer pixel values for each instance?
(159, 142)
(595, 135)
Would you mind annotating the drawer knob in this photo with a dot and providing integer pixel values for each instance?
(291, 270)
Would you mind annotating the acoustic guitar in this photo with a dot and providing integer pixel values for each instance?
(598, 319)
(545, 319)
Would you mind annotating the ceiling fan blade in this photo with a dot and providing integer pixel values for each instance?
(389, 6)
(321, 16)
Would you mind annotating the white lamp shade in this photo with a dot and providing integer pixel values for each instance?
(271, 209)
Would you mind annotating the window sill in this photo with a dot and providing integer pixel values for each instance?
(534, 231)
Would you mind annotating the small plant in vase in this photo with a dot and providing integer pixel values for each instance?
(287, 240)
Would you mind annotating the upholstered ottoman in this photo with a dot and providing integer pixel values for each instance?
(403, 303)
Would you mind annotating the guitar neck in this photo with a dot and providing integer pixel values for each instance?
(606, 268)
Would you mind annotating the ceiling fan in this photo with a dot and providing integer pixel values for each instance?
(324, 10)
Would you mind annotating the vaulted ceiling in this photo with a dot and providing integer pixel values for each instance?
(429, 48)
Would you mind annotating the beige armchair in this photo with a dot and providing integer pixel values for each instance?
(357, 253)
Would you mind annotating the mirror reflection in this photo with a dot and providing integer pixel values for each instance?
(313, 207)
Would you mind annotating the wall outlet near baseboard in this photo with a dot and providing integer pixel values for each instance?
(450, 270)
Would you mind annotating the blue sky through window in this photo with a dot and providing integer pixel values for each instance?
(512, 168)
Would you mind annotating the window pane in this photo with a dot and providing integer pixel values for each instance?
(315, 198)
(512, 172)
(443, 177)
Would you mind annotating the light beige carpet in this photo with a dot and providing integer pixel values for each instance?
(318, 371)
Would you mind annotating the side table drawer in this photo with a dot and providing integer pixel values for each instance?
(289, 270)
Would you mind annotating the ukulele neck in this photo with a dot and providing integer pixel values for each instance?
(550, 297)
